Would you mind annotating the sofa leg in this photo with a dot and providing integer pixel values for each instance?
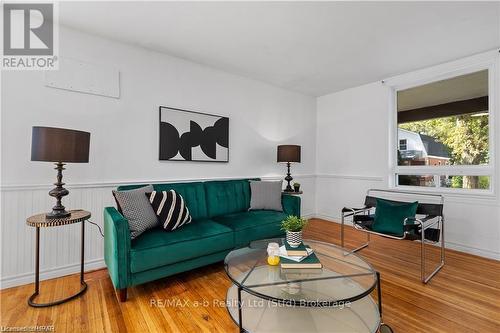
(122, 294)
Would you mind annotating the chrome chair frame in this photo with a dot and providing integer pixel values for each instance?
(424, 224)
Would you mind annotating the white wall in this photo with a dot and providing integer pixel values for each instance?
(351, 147)
(344, 138)
(124, 142)
(352, 156)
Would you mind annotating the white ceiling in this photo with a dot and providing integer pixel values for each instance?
(311, 47)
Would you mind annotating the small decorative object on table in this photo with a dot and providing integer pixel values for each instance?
(293, 226)
(302, 250)
(309, 262)
(273, 254)
(296, 187)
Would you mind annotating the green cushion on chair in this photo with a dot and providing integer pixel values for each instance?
(390, 216)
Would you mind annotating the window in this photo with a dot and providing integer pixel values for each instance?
(445, 181)
(444, 133)
(402, 144)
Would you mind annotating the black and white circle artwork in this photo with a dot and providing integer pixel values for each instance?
(193, 136)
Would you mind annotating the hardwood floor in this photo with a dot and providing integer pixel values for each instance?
(463, 297)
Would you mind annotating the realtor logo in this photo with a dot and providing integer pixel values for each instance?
(29, 36)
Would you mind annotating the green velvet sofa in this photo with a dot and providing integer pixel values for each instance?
(221, 223)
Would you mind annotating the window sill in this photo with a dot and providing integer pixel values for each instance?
(449, 192)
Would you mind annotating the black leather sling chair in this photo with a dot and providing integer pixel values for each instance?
(421, 228)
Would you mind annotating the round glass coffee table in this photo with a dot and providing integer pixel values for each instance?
(336, 298)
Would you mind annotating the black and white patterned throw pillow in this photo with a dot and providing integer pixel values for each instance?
(170, 208)
(136, 209)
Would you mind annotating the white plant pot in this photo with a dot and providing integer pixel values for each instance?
(294, 238)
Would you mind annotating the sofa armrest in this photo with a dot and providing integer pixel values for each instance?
(117, 247)
(291, 204)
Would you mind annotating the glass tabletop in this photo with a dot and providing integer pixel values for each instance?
(259, 316)
(345, 277)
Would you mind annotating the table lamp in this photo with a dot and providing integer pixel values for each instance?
(59, 145)
(288, 154)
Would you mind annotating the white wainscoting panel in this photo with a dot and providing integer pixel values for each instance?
(60, 246)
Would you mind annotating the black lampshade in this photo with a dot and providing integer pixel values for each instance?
(289, 153)
(50, 144)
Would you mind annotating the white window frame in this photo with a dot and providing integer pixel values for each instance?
(489, 61)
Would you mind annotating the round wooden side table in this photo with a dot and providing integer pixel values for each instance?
(292, 193)
(40, 221)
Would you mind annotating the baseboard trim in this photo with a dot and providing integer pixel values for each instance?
(449, 245)
(331, 218)
(472, 250)
(27, 278)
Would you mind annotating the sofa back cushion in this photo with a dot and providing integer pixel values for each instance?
(192, 193)
(227, 196)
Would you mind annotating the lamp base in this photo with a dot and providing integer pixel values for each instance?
(57, 214)
(288, 179)
(58, 192)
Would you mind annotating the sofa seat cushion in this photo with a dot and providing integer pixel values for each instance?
(253, 225)
(156, 247)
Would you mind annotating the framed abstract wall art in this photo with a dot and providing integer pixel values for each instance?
(193, 136)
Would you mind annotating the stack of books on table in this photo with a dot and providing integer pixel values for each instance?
(299, 258)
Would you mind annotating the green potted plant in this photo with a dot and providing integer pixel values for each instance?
(296, 187)
(293, 226)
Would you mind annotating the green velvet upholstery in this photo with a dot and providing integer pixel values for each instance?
(390, 216)
(253, 225)
(192, 193)
(183, 266)
(156, 247)
(221, 222)
(116, 247)
(291, 204)
(226, 197)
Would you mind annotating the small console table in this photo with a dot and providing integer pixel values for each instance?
(292, 193)
(39, 221)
